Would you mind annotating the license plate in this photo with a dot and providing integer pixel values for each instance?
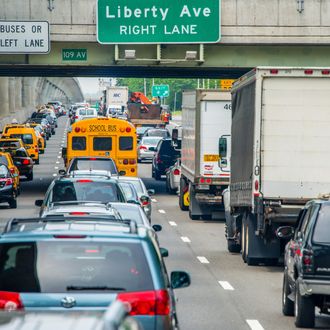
(211, 158)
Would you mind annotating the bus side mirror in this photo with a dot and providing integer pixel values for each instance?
(64, 150)
(175, 137)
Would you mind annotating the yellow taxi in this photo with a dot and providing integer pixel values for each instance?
(5, 158)
(41, 142)
(11, 143)
(27, 135)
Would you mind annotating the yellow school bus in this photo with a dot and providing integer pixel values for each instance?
(106, 137)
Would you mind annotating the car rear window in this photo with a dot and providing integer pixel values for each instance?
(34, 267)
(167, 149)
(322, 226)
(82, 112)
(26, 138)
(9, 144)
(3, 160)
(160, 133)
(126, 143)
(150, 141)
(86, 190)
(102, 143)
(137, 185)
(96, 164)
(78, 143)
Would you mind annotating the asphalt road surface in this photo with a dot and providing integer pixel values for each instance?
(225, 293)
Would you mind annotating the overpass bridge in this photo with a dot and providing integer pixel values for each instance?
(255, 32)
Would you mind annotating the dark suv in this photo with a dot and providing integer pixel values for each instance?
(166, 156)
(306, 282)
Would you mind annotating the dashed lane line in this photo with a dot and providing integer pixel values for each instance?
(57, 162)
(185, 239)
(203, 260)
(54, 174)
(226, 285)
(254, 324)
(161, 211)
(172, 223)
(56, 167)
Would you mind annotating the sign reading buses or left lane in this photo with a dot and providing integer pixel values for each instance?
(24, 37)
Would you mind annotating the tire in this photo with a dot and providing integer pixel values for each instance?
(37, 161)
(304, 310)
(53, 132)
(181, 201)
(287, 303)
(30, 176)
(168, 187)
(243, 243)
(233, 247)
(13, 203)
(157, 175)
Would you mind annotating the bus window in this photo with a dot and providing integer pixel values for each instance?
(78, 143)
(126, 143)
(102, 144)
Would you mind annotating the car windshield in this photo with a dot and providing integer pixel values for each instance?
(9, 144)
(136, 183)
(158, 132)
(130, 213)
(3, 160)
(93, 164)
(153, 141)
(86, 190)
(322, 227)
(92, 266)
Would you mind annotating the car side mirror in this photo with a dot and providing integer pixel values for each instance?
(180, 279)
(122, 173)
(157, 228)
(64, 150)
(38, 202)
(285, 232)
(62, 172)
(151, 191)
(164, 252)
(132, 201)
(145, 200)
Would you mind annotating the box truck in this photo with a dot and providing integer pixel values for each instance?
(280, 155)
(205, 152)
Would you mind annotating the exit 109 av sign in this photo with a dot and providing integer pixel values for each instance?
(158, 21)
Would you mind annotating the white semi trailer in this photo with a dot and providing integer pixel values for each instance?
(280, 155)
(205, 152)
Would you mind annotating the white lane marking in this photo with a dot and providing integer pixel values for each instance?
(172, 223)
(59, 157)
(185, 239)
(54, 174)
(60, 152)
(226, 285)
(57, 162)
(254, 324)
(161, 211)
(203, 260)
(56, 167)
(154, 200)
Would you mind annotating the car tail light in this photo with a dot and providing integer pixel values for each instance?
(128, 129)
(125, 161)
(75, 117)
(256, 188)
(308, 72)
(9, 182)
(274, 71)
(325, 72)
(307, 258)
(25, 162)
(92, 158)
(77, 129)
(12, 170)
(83, 130)
(176, 172)
(201, 180)
(158, 160)
(146, 303)
(132, 170)
(208, 181)
(143, 148)
(132, 161)
(84, 181)
(10, 301)
(78, 213)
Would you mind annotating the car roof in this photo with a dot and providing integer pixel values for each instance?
(72, 228)
(71, 178)
(129, 178)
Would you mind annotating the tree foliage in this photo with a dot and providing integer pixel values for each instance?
(176, 87)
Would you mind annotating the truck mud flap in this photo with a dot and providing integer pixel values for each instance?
(255, 248)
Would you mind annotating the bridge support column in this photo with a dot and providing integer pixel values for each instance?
(12, 94)
(18, 90)
(27, 92)
(4, 96)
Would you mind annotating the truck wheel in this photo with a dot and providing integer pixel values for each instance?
(233, 247)
(304, 308)
(287, 303)
(30, 176)
(181, 196)
(243, 243)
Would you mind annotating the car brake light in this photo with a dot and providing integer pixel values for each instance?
(308, 72)
(92, 158)
(12, 170)
(77, 129)
(158, 160)
(25, 162)
(10, 301)
(75, 117)
(201, 180)
(146, 303)
(176, 172)
(132, 161)
(132, 170)
(143, 148)
(274, 71)
(69, 236)
(307, 257)
(128, 129)
(325, 72)
(78, 213)
(9, 182)
(84, 180)
(125, 161)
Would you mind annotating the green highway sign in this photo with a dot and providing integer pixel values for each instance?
(74, 54)
(158, 21)
(160, 91)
